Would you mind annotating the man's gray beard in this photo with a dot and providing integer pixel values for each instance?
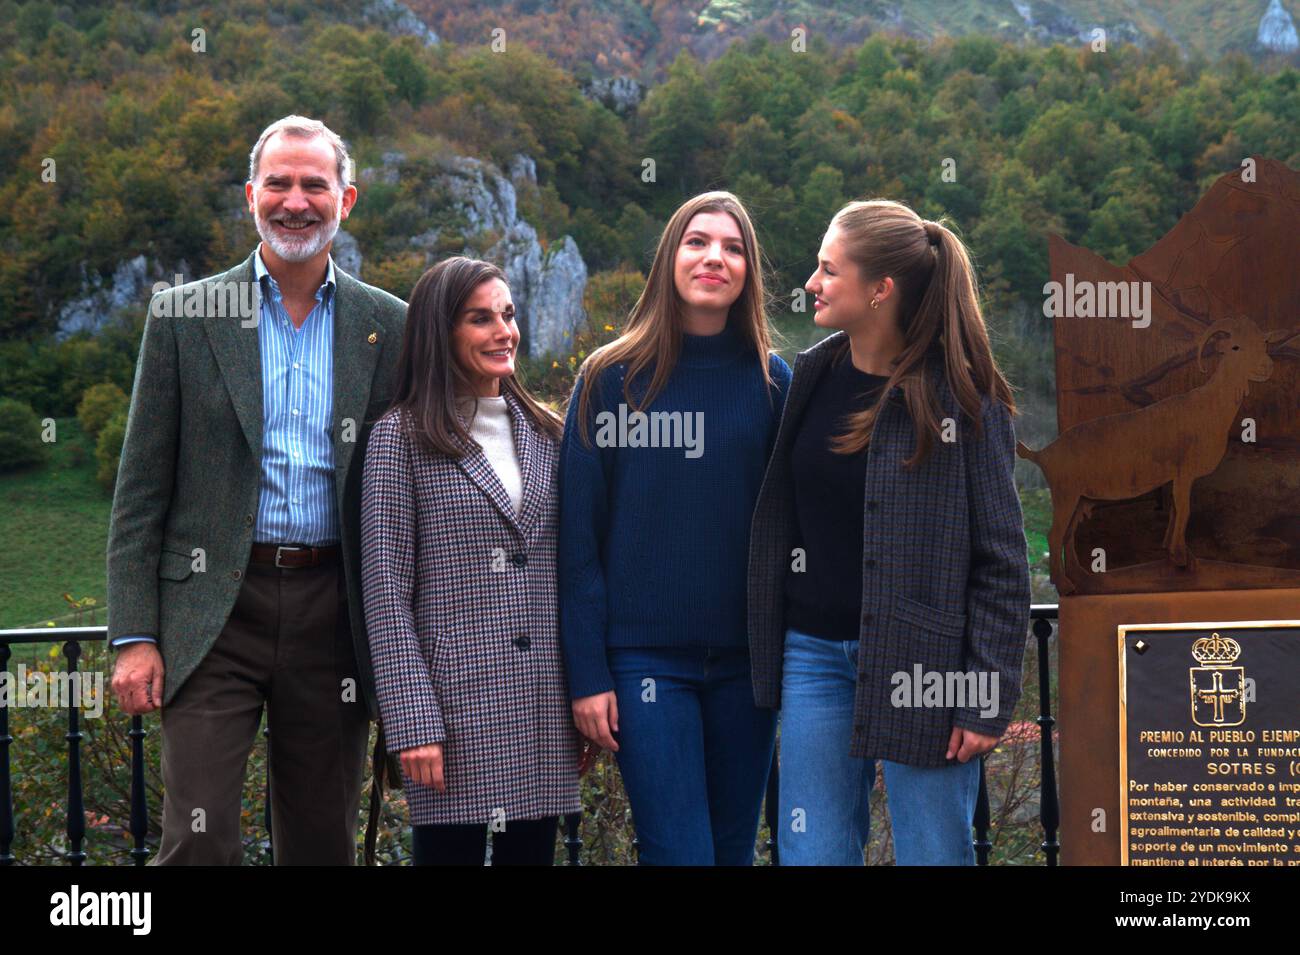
(297, 250)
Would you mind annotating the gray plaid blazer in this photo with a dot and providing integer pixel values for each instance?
(945, 576)
(462, 615)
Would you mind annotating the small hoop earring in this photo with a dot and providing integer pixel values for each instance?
(875, 303)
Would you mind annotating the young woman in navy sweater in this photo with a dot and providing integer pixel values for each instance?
(668, 432)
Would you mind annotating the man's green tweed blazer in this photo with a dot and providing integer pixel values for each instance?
(187, 484)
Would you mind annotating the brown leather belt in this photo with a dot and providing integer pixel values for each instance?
(294, 555)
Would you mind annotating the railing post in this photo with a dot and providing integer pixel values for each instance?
(573, 837)
(139, 800)
(267, 848)
(76, 805)
(6, 784)
(1049, 809)
(981, 821)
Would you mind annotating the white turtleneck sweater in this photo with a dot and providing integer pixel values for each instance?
(491, 428)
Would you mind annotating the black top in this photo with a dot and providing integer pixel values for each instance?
(824, 598)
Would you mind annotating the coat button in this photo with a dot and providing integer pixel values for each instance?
(248, 520)
(869, 562)
(519, 559)
(236, 574)
(867, 618)
(523, 643)
(872, 505)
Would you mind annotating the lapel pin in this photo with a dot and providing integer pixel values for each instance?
(373, 338)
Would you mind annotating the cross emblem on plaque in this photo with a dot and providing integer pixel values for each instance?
(1217, 695)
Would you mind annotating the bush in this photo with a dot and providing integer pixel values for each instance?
(99, 403)
(396, 274)
(108, 450)
(85, 361)
(20, 436)
(54, 376)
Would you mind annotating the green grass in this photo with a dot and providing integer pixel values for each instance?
(54, 521)
(54, 524)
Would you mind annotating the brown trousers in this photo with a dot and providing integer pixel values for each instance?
(288, 644)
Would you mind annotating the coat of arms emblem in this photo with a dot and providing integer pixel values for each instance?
(1218, 688)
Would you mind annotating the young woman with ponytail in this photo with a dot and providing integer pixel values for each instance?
(888, 583)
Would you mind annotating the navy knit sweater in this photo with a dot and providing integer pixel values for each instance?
(654, 540)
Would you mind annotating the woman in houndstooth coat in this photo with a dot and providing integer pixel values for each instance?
(458, 578)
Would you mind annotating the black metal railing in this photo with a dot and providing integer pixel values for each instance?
(138, 825)
(1049, 812)
(1041, 617)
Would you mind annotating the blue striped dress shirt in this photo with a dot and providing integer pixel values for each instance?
(296, 497)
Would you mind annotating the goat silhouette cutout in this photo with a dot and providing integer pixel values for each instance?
(1175, 440)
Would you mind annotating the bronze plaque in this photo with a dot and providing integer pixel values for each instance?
(1209, 737)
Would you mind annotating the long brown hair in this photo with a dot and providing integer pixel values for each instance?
(651, 340)
(429, 378)
(938, 314)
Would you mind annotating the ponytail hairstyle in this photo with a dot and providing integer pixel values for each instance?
(651, 341)
(429, 377)
(938, 314)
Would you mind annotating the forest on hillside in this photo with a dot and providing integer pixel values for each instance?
(150, 137)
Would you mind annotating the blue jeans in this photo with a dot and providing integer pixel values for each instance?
(694, 752)
(825, 793)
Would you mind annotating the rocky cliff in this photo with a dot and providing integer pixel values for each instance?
(475, 208)
(471, 208)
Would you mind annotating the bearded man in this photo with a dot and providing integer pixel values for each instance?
(233, 554)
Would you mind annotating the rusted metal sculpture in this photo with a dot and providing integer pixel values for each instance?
(1173, 441)
(1181, 483)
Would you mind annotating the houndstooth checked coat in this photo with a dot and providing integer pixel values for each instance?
(945, 575)
(461, 610)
